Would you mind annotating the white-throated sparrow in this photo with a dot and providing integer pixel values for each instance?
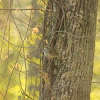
(50, 53)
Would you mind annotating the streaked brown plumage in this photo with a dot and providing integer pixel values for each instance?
(50, 53)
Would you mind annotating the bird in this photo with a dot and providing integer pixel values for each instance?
(50, 53)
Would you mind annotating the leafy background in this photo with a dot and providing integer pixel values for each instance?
(96, 74)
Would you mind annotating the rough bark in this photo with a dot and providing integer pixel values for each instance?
(73, 37)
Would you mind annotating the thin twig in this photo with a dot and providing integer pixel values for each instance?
(20, 9)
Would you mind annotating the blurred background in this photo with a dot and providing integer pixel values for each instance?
(95, 89)
(20, 40)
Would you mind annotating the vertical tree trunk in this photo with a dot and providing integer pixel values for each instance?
(72, 32)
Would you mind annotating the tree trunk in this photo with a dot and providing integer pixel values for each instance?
(71, 32)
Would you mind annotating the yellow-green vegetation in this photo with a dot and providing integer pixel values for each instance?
(95, 89)
(95, 93)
